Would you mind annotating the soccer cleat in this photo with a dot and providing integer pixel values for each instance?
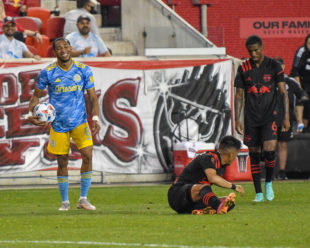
(231, 207)
(207, 210)
(259, 197)
(282, 175)
(65, 206)
(269, 191)
(84, 203)
(226, 203)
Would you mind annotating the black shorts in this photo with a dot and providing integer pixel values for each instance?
(306, 113)
(255, 136)
(180, 200)
(285, 136)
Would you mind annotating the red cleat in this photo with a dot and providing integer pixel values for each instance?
(207, 210)
(226, 203)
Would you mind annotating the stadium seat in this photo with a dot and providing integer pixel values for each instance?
(110, 2)
(42, 13)
(27, 23)
(32, 49)
(55, 27)
(33, 3)
(50, 52)
(41, 48)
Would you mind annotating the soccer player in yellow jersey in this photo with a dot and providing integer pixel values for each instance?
(67, 80)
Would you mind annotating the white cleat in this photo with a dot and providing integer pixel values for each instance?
(65, 206)
(84, 203)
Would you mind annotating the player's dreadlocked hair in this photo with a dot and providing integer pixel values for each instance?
(253, 39)
(58, 39)
(228, 142)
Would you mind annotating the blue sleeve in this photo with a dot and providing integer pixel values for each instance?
(88, 78)
(42, 80)
(101, 46)
(70, 37)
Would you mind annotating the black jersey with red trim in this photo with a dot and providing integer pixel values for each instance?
(301, 67)
(260, 90)
(194, 172)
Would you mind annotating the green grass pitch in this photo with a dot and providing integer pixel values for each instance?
(139, 216)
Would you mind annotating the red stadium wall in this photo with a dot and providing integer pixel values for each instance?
(223, 20)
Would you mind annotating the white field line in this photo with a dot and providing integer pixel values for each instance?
(113, 244)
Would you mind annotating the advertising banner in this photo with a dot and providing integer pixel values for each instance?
(275, 27)
(145, 108)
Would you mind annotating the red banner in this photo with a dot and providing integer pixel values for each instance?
(145, 107)
(275, 27)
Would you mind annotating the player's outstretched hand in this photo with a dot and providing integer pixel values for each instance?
(95, 127)
(35, 120)
(240, 189)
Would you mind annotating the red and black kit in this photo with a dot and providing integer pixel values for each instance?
(179, 194)
(262, 103)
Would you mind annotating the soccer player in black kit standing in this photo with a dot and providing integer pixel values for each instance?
(191, 192)
(260, 80)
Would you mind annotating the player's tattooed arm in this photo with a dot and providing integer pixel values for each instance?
(238, 109)
(285, 101)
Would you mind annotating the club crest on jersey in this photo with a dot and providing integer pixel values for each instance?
(77, 78)
(267, 77)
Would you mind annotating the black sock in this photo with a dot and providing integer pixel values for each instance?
(214, 202)
(256, 171)
(209, 198)
(269, 174)
(257, 183)
(270, 162)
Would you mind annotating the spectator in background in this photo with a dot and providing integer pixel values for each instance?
(9, 46)
(293, 90)
(84, 43)
(301, 72)
(15, 7)
(84, 7)
(21, 33)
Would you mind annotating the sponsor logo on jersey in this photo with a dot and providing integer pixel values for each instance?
(59, 89)
(267, 77)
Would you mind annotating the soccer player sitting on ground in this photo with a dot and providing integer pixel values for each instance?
(67, 80)
(84, 42)
(192, 193)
